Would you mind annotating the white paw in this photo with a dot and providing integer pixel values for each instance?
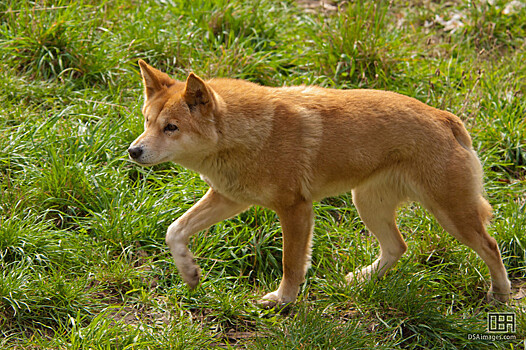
(275, 299)
(359, 276)
(191, 275)
(188, 269)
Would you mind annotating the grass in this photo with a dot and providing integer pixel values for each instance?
(83, 264)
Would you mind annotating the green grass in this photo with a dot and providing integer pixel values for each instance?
(83, 263)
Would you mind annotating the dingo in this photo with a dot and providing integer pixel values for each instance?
(283, 148)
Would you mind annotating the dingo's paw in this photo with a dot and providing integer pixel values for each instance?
(497, 296)
(365, 274)
(191, 276)
(357, 277)
(269, 301)
(274, 300)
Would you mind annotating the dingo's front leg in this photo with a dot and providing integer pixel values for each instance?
(210, 209)
(297, 223)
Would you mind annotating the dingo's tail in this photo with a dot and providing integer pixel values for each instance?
(459, 131)
(461, 135)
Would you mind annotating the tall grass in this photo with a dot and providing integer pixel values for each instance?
(83, 263)
(356, 44)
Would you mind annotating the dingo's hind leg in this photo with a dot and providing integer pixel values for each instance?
(465, 218)
(458, 205)
(377, 208)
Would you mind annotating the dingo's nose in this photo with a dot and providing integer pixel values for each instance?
(135, 152)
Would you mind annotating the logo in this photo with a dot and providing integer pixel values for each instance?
(501, 322)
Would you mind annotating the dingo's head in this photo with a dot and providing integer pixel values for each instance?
(179, 121)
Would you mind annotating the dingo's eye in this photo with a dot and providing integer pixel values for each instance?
(170, 128)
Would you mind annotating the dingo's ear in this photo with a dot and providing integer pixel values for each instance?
(153, 79)
(196, 91)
